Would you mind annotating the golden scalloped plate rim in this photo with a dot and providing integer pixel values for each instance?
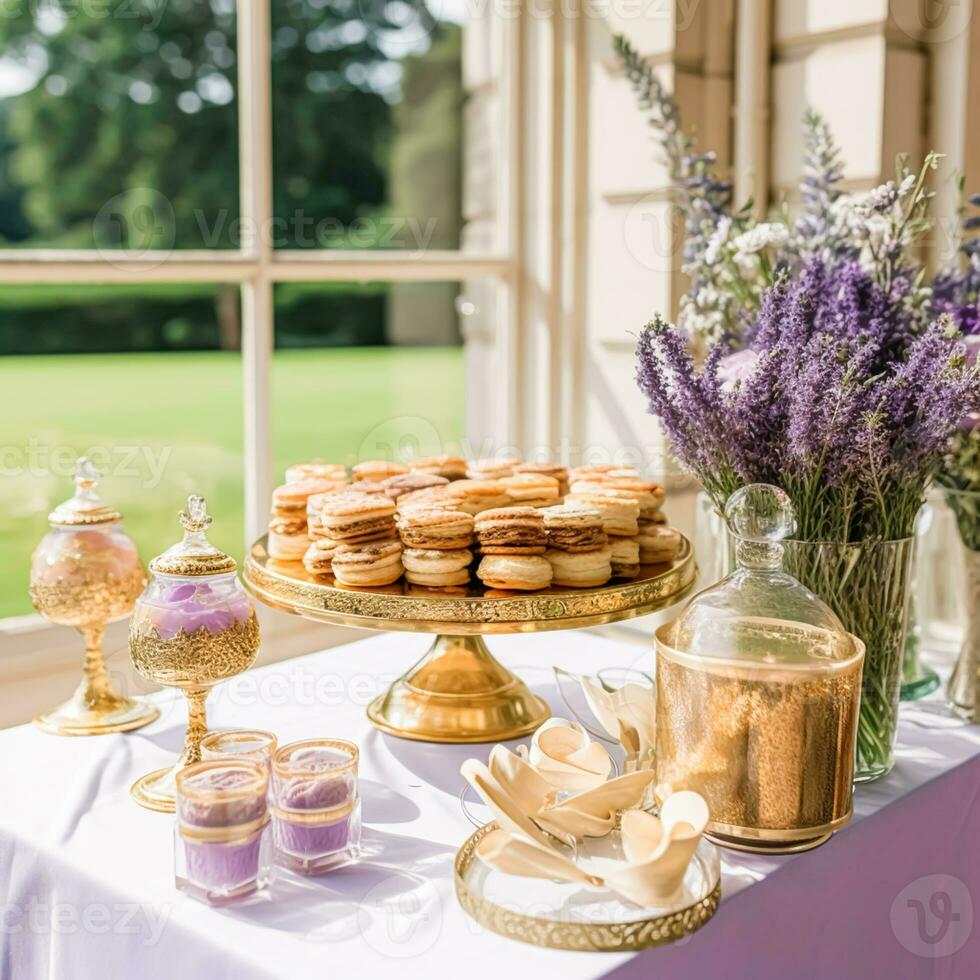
(594, 937)
(547, 609)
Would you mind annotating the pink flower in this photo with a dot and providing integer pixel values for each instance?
(736, 367)
(972, 348)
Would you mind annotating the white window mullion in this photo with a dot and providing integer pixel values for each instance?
(255, 176)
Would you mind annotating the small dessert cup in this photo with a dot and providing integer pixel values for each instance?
(316, 810)
(240, 743)
(221, 848)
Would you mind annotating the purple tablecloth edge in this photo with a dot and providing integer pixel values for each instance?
(833, 919)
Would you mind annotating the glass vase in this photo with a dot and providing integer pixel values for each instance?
(918, 679)
(713, 542)
(868, 585)
(964, 684)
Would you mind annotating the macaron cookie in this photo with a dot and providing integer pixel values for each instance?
(440, 529)
(491, 468)
(524, 573)
(288, 527)
(319, 556)
(291, 498)
(475, 496)
(659, 518)
(313, 505)
(619, 510)
(368, 564)
(532, 489)
(436, 568)
(320, 471)
(511, 531)
(591, 471)
(650, 496)
(580, 569)
(572, 528)
(429, 498)
(556, 470)
(377, 469)
(625, 557)
(288, 539)
(353, 517)
(451, 467)
(658, 543)
(397, 486)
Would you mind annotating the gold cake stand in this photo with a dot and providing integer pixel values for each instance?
(458, 692)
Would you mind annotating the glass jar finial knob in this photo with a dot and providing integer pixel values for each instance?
(760, 516)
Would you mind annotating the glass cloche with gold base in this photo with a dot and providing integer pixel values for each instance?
(758, 689)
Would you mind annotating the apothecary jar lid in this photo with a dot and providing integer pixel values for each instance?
(85, 508)
(760, 613)
(194, 555)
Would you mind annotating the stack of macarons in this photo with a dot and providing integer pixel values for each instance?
(359, 538)
(436, 542)
(288, 526)
(578, 548)
(512, 542)
(419, 519)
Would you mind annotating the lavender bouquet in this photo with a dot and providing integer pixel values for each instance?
(957, 294)
(809, 354)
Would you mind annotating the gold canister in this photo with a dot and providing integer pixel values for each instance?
(769, 745)
(758, 693)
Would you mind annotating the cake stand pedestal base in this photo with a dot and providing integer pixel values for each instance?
(458, 693)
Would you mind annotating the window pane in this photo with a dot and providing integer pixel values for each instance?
(366, 371)
(368, 108)
(163, 424)
(118, 124)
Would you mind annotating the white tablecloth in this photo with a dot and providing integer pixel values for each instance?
(88, 879)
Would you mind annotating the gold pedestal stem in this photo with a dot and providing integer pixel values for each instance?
(96, 708)
(458, 692)
(197, 726)
(158, 790)
(95, 689)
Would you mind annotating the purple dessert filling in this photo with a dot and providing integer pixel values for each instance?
(308, 839)
(222, 866)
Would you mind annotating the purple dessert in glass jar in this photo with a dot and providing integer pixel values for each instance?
(221, 852)
(316, 819)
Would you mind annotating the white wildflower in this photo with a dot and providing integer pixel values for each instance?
(712, 251)
(762, 236)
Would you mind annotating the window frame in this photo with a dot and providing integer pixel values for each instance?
(257, 267)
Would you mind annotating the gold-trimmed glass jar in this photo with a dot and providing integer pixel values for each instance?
(240, 743)
(86, 573)
(316, 807)
(758, 690)
(193, 627)
(221, 851)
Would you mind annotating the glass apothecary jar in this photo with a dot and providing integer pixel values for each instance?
(86, 573)
(758, 691)
(193, 627)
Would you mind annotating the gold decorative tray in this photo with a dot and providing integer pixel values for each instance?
(458, 692)
(563, 916)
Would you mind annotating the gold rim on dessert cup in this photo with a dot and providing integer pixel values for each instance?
(458, 693)
(96, 708)
(265, 745)
(565, 932)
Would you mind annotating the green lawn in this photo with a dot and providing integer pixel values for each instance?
(171, 424)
